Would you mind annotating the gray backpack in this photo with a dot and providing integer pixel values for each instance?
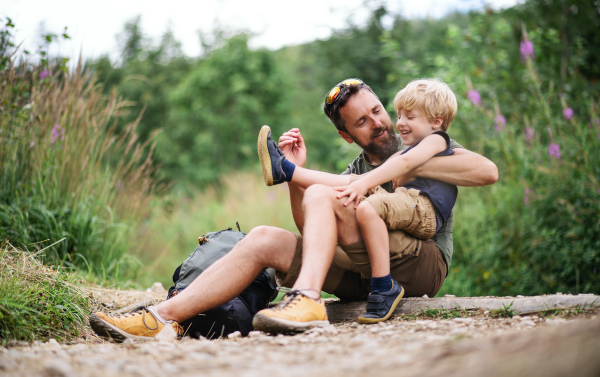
(234, 315)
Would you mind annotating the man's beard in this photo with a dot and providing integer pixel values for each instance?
(382, 151)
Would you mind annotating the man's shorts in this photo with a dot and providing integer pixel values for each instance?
(417, 265)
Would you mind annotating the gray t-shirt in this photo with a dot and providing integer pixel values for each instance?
(443, 238)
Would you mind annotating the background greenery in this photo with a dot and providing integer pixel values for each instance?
(126, 162)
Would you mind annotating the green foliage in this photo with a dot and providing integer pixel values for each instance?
(37, 302)
(58, 180)
(537, 230)
(223, 101)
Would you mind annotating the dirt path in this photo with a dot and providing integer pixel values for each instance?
(471, 346)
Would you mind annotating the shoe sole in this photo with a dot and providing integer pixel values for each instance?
(263, 155)
(365, 320)
(283, 326)
(112, 333)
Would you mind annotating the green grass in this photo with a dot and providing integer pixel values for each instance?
(504, 312)
(38, 302)
(432, 313)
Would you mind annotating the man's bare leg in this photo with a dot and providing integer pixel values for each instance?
(326, 222)
(229, 276)
(221, 282)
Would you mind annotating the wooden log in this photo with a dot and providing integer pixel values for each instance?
(339, 311)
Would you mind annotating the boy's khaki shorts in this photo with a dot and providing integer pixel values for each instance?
(417, 265)
(404, 209)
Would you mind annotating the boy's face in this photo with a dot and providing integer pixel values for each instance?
(413, 125)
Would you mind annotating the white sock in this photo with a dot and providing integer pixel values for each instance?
(154, 312)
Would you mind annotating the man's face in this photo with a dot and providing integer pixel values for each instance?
(369, 126)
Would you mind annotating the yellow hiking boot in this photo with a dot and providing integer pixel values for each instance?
(143, 324)
(295, 313)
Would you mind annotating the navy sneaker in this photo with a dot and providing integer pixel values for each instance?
(270, 157)
(381, 305)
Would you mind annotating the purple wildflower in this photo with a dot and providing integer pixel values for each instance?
(527, 195)
(56, 133)
(45, 73)
(568, 113)
(474, 97)
(500, 122)
(554, 150)
(529, 134)
(527, 50)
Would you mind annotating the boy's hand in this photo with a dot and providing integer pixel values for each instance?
(353, 191)
(293, 147)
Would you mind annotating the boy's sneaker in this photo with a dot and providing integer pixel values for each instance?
(295, 313)
(381, 305)
(270, 157)
(143, 324)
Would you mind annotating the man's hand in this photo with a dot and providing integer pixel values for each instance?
(354, 191)
(293, 147)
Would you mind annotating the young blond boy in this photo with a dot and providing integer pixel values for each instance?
(425, 110)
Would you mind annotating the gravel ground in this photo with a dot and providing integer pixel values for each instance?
(471, 346)
(466, 346)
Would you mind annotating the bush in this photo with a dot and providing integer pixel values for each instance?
(66, 173)
(538, 229)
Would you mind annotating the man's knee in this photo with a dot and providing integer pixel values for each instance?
(318, 195)
(267, 244)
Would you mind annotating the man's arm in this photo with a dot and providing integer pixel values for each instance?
(463, 168)
(293, 147)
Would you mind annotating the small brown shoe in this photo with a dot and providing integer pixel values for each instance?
(141, 325)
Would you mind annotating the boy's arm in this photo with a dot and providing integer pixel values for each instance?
(397, 165)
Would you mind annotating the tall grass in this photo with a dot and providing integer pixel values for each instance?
(66, 172)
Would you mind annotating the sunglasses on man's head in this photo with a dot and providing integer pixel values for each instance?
(333, 93)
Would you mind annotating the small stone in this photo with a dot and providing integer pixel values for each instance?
(520, 296)
(157, 287)
(58, 368)
(53, 343)
(256, 334)
(167, 334)
(234, 335)
(459, 330)
(517, 317)
(449, 295)
(555, 321)
(425, 296)
(464, 320)
(315, 330)
(527, 323)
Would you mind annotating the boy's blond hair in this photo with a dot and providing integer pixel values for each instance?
(432, 96)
